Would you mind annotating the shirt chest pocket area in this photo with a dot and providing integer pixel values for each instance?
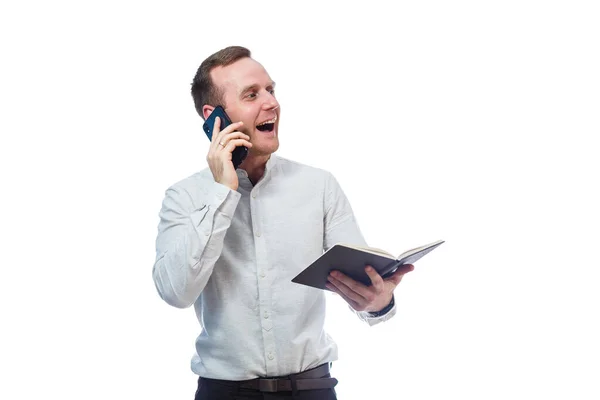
(296, 227)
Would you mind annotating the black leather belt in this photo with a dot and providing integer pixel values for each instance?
(316, 378)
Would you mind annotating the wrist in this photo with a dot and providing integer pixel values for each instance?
(384, 310)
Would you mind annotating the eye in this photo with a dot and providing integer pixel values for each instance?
(272, 91)
(251, 95)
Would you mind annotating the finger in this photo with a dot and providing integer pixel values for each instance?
(348, 300)
(232, 144)
(229, 129)
(331, 288)
(376, 279)
(216, 131)
(400, 272)
(226, 137)
(344, 289)
(355, 286)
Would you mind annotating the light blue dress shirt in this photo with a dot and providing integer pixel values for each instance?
(232, 254)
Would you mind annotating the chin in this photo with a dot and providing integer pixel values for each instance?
(261, 149)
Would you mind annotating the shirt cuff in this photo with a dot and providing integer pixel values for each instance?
(372, 320)
(385, 309)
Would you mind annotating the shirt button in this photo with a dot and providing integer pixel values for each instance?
(258, 234)
(253, 195)
(266, 315)
(271, 356)
(262, 274)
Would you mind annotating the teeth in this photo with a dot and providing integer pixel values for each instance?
(271, 121)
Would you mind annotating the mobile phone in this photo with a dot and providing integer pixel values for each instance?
(241, 152)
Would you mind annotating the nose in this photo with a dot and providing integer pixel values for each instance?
(270, 102)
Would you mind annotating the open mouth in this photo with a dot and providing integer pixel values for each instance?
(267, 126)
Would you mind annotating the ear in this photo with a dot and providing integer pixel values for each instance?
(207, 110)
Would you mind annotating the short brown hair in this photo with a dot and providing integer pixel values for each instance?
(203, 89)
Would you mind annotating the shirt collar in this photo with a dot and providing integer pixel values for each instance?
(269, 167)
(270, 163)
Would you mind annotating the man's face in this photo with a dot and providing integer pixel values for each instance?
(249, 96)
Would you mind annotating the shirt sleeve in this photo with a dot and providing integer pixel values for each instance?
(190, 241)
(369, 319)
(340, 225)
(339, 222)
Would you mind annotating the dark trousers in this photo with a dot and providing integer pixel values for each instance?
(212, 389)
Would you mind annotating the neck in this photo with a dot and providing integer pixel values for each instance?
(255, 167)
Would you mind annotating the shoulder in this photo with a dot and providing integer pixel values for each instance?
(291, 167)
(195, 187)
(306, 176)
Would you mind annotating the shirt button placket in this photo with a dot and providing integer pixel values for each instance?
(264, 288)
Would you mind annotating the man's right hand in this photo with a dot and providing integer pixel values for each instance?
(219, 154)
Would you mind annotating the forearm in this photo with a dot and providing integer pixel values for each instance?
(188, 246)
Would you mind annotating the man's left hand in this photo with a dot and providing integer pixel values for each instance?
(367, 298)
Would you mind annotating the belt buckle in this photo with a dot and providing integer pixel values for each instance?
(267, 385)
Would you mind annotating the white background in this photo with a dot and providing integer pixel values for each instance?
(468, 121)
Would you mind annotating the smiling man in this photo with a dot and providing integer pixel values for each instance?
(230, 241)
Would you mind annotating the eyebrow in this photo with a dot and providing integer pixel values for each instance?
(254, 87)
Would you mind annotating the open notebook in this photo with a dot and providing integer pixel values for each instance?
(351, 260)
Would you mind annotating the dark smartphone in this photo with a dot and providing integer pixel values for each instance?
(241, 152)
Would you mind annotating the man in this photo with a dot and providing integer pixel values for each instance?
(230, 241)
